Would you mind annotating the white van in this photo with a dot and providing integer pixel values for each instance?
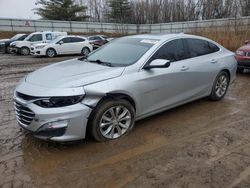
(23, 47)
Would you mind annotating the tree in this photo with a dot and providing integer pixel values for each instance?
(66, 10)
(120, 10)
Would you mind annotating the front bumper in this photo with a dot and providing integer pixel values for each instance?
(71, 120)
(37, 52)
(243, 62)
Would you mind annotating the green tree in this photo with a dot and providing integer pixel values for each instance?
(66, 10)
(120, 10)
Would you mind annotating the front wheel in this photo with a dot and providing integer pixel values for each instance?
(111, 120)
(220, 86)
(25, 51)
(8, 50)
(50, 52)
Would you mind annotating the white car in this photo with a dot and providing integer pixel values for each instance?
(23, 47)
(63, 45)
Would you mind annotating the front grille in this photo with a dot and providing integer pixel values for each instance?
(24, 115)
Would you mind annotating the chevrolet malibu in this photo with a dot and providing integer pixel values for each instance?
(128, 79)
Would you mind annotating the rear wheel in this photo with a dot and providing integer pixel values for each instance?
(220, 86)
(111, 120)
(50, 52)
(25, 51)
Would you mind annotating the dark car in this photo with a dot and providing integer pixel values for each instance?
(5, 45)
(243, 57)
(97, 40)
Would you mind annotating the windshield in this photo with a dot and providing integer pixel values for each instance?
(15, 37)
(123, 51)
(28, 37)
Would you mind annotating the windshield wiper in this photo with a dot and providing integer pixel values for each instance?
(98, 61)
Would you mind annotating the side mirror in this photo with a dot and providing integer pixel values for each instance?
(61, 42)
(247, 42)
(158, 63)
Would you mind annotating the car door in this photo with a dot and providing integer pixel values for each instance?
(203, 64)
(64, 46)
(166, 87)
(36, 39)
(78, 44)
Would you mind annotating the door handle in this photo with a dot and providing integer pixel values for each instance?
(184, 68)
(214, 61)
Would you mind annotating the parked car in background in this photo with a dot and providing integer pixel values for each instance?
(243, 57)
(128, 79)
(98, 40)
(5, 45)
(63, 45)
(23, 47)
(2, 41)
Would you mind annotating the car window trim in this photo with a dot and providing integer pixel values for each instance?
(148, 58)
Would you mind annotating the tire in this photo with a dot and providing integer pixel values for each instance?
(50, 52)
(85, 51)
(25, 51)
(7, 51)
(103, 126)
(240, 70)
(220, 86)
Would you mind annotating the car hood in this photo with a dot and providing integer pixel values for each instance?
(3, 40)
(22, 43)
(72, 73)
(245, 48)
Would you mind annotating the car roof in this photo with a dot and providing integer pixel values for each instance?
(164, 36)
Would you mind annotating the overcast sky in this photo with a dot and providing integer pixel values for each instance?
(18, 9)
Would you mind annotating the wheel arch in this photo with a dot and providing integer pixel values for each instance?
(228, 72)
(52, 49)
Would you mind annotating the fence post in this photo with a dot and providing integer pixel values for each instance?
(11, 23)
(52, 25)
(70, 26)
(34, 23)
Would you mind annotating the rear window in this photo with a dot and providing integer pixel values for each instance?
(77, 39)
(199, 47)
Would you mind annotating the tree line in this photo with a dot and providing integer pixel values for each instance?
(141, 11)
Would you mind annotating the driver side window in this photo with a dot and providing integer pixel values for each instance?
(172, 51)
(36, 37)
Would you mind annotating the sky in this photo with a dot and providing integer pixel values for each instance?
(18, 9)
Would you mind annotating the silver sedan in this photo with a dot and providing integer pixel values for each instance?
(128, 79)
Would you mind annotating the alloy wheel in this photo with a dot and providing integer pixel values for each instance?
(115, 122)
(221, 85)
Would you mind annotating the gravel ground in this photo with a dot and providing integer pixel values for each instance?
(199, 145)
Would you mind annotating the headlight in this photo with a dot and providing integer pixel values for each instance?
(13, 44)
(240, 53)
(54, 102)
(40, 47)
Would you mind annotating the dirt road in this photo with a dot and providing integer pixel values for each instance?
(199, 145)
